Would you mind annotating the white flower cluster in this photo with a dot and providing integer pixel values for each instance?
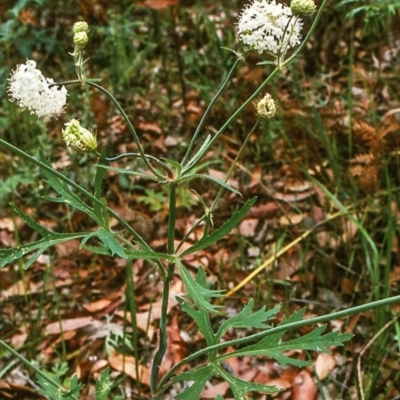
(267, 26)
(32, 90)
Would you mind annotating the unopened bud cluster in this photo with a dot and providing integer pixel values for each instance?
(81, 30)
(266, 107)
(78, 137)
(302, 7)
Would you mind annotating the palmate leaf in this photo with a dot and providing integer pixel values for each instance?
(272, 346)
(112, 247)
(104, 386)
(224, 229)
(248, 319)
(109, 241)
(49, 239)
(66, 194)
(199, 376)
(202, 319)
(9, 255)
(54, 393)
(240, 388)
(198, 290)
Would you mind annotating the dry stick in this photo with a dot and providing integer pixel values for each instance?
(270, 260)
(366, 347)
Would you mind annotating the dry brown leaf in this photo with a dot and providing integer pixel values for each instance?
(283, 381)
(97, 305)
(248, 226)
(160, 4)
(263, 210)
(7, 223)
(176, 350)
(256, 177)
(150, 127)
(212, 391)
(72, 324)
(324, 365)
(350, 229)
(17, 289)
(127, 365)
(394, 277)
(304, 387)
(291, 219)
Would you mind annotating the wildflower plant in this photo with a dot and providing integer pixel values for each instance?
(263, 26)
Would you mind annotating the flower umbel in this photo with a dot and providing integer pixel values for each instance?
(33, 91)
(78, 137)
(266, 107)
(267, 26)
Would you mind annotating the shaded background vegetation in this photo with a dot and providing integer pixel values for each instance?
(334, 145)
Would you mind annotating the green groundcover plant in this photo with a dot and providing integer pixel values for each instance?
(270, 28)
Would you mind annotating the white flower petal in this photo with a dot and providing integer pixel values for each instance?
(32, 90)
(262, 26)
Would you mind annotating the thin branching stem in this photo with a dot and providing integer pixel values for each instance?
(232, 167)
(130, 126)
(219, 194)
(238, 112)
(207, 112)
(309, 33)
(80, 189)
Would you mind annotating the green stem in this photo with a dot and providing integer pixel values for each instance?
(221, 190)
(285, 327)
(80, 189)
(171, 219)
(309, 33)
(162, 347)
(130, 126)
(205, 115)
(152, 158)
(64, 83)
(237, 113)
(30, 365)
(131, 303)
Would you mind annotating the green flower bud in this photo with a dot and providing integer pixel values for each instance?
(79, 138)
(80, 26)
(302, 7)
(81, 39)
(266, 107)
